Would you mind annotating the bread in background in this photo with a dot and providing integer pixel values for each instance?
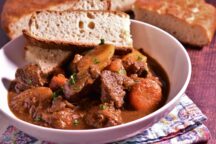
(122, 5)
(16, 13)
(191, 21)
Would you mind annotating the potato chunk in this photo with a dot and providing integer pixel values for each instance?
(135, 55)
(99, 56)
(32, 101)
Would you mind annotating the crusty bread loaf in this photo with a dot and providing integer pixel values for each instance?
(47, 59)
(16, 13)
(192, 22)
(79, 29)
(122, 5)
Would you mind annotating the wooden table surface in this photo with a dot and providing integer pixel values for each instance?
(202, 87)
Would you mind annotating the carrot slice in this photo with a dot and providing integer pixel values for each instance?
(146, 95)
(57, 81)
(116, 66)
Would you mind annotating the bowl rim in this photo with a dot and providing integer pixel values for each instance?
(158, 111)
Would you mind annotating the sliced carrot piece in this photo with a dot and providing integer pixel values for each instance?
(116, 65)
(57, 81)
(146, 95)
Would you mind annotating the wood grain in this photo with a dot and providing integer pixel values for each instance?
(202, 87)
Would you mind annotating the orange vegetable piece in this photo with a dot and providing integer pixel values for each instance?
(57, 81)
(116, 65)
(146, 95)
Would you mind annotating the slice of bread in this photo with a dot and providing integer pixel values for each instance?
(47, 59)
(79, 29)
(16, 13)
(192, 22)
(122, 5)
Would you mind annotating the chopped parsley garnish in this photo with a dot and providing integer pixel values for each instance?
(38, 119)
(76, 122)
(122, 71)
(102, 107)
(139, 58)
(73, 79)
(96, 61)
(57, 93)
(54, 95)
(102, 41)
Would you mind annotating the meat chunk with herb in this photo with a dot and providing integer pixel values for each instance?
(113, 87)
(139, 68)
(61, 114)
(88, 70)
(104, 115)
(135, 63)
(59, 103)
(77, 86)
(62, 119)
(28, 77)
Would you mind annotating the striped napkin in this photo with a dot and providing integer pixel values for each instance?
(183, 125)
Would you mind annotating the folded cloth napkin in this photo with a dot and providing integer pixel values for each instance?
(183, 125)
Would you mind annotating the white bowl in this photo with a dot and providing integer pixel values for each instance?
(160, 45)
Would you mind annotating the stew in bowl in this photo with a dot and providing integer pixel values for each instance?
(93, 89)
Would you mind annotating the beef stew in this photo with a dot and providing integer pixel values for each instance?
(94, 89)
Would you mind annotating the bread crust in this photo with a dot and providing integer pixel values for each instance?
(13, 10)
(63, 45)
(196, 13)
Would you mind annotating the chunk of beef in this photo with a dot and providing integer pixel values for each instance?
(72, 90)
(32, 101)
(60, 114)
(104, 115)
(28, 77)
(136, 63)
(80, 84)
(62, 119)
(59, 104)
(136, 67)
(88, 69)
(113, 85)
